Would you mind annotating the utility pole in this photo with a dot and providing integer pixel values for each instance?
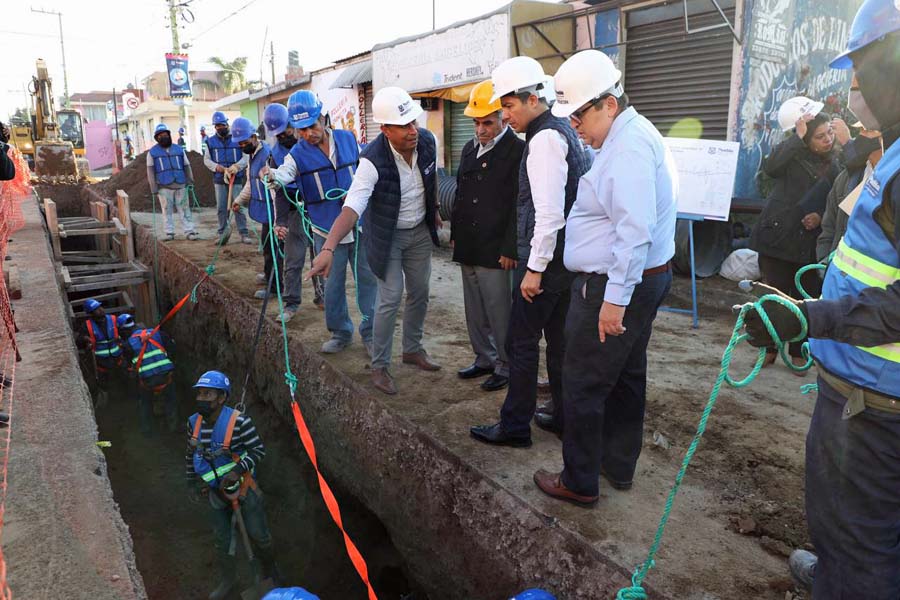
(272, 59)
(176, 49)
(62, 45)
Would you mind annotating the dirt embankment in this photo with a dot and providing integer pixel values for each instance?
(133, 179)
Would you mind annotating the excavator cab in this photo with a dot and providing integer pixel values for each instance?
(71, 129)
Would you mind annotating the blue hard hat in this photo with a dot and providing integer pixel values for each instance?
(874, 20)
(181, 130)
(534, 594)
(125, 320)
(159, 129)
(291, 593)
(276, 119)
(90, 305)
(127, 138)
(304, 108)
(219, 117)
(242, 129)
(215, 380)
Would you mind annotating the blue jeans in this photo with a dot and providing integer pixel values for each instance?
(337, 316)
(223, 207)
(605, 384)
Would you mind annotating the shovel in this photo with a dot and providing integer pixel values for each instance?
(262, 586)
(226, 234)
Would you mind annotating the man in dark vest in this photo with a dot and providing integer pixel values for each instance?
(397, 181)
(552, 163)
(483, 232)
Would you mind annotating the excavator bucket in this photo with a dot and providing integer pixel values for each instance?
(55, 161)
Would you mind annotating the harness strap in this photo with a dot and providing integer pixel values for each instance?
(229, 431)
(90, 329)
(195, 436)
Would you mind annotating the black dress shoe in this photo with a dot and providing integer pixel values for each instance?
(494, 382)
(548, 423)
(474, 371)
(494, 434)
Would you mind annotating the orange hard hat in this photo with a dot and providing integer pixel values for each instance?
(480, 104)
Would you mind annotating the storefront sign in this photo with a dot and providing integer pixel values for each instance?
(464, 54)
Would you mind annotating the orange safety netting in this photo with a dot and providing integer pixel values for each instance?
(12, 194)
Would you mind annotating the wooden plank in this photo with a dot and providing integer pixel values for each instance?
(101, 241)
(100, 297)
(67, 278)
(53, 226)
(86, 287)
(95, 268)
(119, 226)
(123, 205)
(76, 220)
(98, 231)
(112, 278)
(99, 260)
(74, 253)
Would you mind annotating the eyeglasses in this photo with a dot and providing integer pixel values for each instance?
(576, 117)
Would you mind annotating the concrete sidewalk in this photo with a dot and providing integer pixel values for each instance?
(63, 535)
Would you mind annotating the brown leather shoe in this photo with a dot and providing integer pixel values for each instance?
(383, 381)
(421, 360)
(552, 485)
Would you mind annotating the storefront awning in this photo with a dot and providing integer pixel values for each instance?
(360, 72)
(459, 93)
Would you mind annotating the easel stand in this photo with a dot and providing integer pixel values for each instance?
(690, 218)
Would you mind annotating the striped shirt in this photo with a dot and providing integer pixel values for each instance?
(244, 439)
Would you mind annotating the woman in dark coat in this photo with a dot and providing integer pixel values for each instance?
(785, 236)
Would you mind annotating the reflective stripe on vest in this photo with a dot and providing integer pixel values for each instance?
(872, 273)
(226, 461)
(155, 363)
(107, 346)
(220, 471)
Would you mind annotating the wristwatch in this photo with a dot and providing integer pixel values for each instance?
(530, 270)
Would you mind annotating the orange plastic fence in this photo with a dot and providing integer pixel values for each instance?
(12, 194)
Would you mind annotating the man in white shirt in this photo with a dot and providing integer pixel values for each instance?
(620, 237)
(554, 160)
(396, 181)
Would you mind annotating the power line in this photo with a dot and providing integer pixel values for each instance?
(220, 21)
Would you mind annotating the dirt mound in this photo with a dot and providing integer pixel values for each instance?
(133, 179)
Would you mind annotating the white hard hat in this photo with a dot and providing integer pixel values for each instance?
(393, 106)
(519, 74)
(582, 78)
(796, 107)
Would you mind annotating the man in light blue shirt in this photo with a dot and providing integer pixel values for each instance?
(620, 237)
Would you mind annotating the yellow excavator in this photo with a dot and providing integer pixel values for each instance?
(58, 135)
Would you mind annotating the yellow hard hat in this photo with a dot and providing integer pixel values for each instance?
(480, 104)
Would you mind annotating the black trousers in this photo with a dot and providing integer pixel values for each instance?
(268, 263)
(780, 274)
(853, 500)
(528, 321)
(605, 384)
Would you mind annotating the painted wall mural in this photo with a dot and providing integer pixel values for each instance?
(787, 47)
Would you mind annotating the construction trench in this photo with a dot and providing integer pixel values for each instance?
(435, 514)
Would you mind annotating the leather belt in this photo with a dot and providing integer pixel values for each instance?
(858, 399)
(656, 270)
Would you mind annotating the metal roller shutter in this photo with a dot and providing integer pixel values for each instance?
(671, 75)
(461, 131)
(372, 128)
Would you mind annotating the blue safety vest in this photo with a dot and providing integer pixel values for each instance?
(213, 461)
(278, 155)
(168, 164)
(316, 175)
(104, 342)
(257, 210)
(865, 258)
(224, 152)
(155, 360)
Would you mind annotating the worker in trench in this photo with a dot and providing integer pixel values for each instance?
(853, 444)
(224, 451)
(322, 165)
(100, 337)
(151, 368)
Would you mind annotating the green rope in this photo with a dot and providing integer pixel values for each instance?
(636, 591)
(193, 196)
(211, 267)
(289, 378)
(819, 266)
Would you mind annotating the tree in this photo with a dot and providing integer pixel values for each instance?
(233, 77)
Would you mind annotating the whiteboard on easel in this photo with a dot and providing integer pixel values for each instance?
(706, 172)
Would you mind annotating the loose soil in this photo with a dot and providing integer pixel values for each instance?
(133, 179)
(740, 510)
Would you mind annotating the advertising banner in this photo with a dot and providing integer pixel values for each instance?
(179, 82)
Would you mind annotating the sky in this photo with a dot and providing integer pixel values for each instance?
(111, 44)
